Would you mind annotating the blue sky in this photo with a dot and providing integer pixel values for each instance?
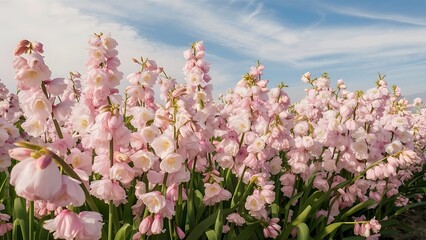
(351, 40)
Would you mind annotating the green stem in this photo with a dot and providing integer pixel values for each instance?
(237, 187)
(110, 219)
(31, 221)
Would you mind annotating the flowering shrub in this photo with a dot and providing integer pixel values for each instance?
(91, 163)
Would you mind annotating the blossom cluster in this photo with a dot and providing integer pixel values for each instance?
(167, 164)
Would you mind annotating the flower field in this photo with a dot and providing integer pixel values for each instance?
(80, 160)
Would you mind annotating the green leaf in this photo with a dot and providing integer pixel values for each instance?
(21, 214)
(202, 227)
(413, 205)
(211, 235)
(15, 229)
(219, 222)
(358, 207)
(329, 229)
(303, 233)
(124, 232)
(275, 210)
(248, 232)
(301, 218)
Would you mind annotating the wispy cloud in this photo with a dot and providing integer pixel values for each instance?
(254, 32)
(243, 30)
(376, 15)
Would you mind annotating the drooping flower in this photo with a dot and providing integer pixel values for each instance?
(36, 179)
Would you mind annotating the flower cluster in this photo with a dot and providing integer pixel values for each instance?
(251, 161)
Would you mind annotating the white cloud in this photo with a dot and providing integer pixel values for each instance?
(251, 30)
(65, 30)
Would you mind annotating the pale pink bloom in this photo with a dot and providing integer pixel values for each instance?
(224, 160)
(34, 126)
(173, 193)
(80, 160)
(240, 123)
(20, 153)
(81, 118)
(254, 203)
(236, 218)
(122, 172)
(273, 230)
(143, 160)
(154, 201)
(225, 228)
(149, 133)
(157, 224)
(65, 225)
(275, 165)
(56, 86)
(306, 77)
(140, 189)
(163, 145)
(301, 128)
(108, 190)
(393, 147)
(141, 115)
(145, 225)
(5, 227)
(417, 101)
(92, 226)
(36, 179)
(71, 193)
(171, 163)
(214, 193)
(155, 177)
(360, 150)
(257, 145)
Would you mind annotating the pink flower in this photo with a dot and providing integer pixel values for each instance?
(143, 160)
(180, 232)
(236, 218)
(36, 179)
(122, 172)
(154, 201)
(171, 163)
(163, 145)
(108, 190)
(273, 230)
(214, 193)
(145, 226)
(70, 194)
(157, 224)
(92, 226)
(65, 225)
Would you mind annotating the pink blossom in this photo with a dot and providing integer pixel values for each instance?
(236, 218)
(92, 226)
(36, 179)
(163, 145)
(154, 201)
(65, 225)
(214, 194)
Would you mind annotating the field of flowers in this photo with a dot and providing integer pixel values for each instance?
(79, 160)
